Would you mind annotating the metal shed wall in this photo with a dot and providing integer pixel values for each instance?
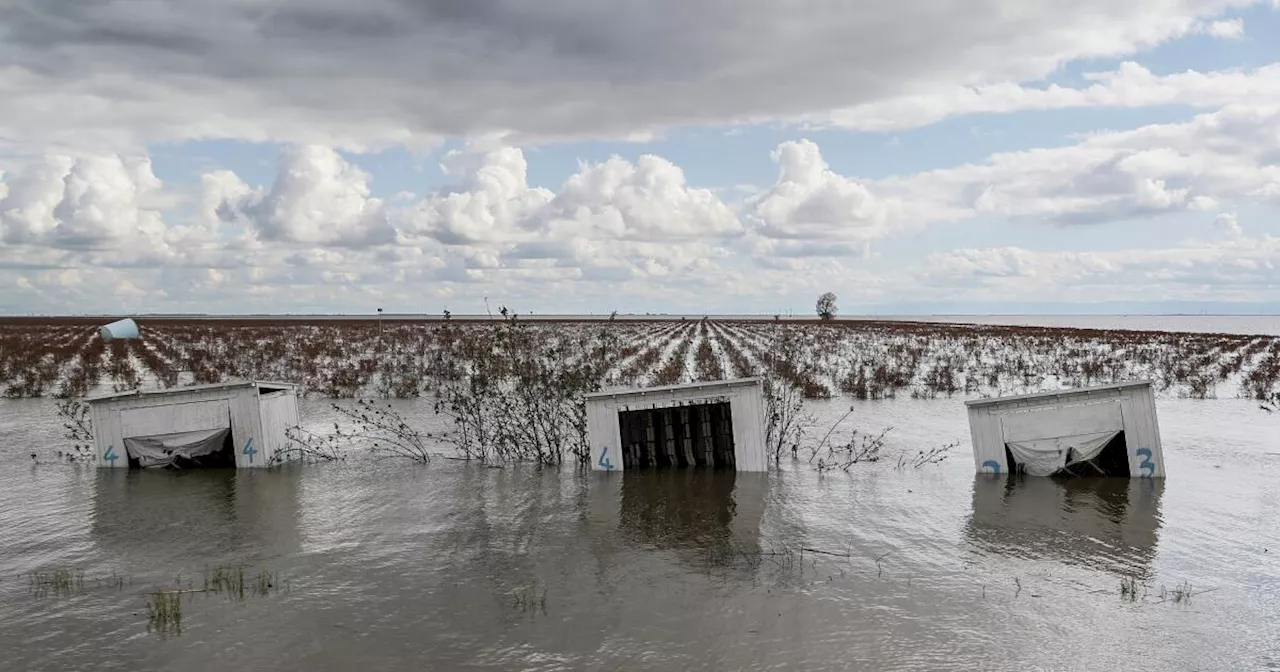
(279, 412)
(1137, 406)
(746, 406)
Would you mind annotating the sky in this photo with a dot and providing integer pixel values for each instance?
(687, 156)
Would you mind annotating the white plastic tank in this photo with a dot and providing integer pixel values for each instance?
(121, 329)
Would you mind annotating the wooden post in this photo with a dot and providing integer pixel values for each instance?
(706, 446)
(650, 440)
(669, 439)
(687, 425)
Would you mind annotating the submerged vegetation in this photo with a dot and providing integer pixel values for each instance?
(863, 359)
(512, 389)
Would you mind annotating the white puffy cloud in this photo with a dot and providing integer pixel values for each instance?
(645, 201)
(87, 202)
(612, 200)
(318, 198)
(814, 211)
(106, 76)
(488, 205)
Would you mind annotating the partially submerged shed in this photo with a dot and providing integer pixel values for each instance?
(712, 424)
(235, 424)
(1109, 430)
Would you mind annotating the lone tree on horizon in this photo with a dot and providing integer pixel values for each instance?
(827, 306)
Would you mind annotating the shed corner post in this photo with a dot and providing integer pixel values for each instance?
(603, 433)
(246, 427)
(983, 431)
(747, 410)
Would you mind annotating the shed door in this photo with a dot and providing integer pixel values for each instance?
(175, 418)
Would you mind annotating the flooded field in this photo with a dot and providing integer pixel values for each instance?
(383, 565)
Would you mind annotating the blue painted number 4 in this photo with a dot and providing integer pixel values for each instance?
(110, 455)
(604, 459)
(250, 450)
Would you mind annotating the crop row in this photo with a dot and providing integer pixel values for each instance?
(860, 359)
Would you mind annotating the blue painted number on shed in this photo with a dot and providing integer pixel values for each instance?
(110, 455)
(995, 466)
(250, 450)
(604, 459)
(1146, 465)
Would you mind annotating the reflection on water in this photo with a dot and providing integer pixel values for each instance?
(1107, 523)
(691, 508)
(156, 516)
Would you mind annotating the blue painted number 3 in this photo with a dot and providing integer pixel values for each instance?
(604, 459)
(1147, 466)
(250, 450)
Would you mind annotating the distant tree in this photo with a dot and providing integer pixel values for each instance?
(827, 306)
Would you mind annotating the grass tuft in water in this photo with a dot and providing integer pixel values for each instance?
(225, 580)
(1129, 589)
(164, 612)
(1180, 594)
(529, 600)
(57, 582)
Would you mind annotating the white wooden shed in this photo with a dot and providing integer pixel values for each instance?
(1106, 430)
(240, 424)
(713, 424)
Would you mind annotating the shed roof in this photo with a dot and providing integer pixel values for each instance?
(1077, 392)
(644, 391)
(230, 384)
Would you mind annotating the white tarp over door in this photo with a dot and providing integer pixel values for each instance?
(1042, 457)
(164, 449)
(1044, 441)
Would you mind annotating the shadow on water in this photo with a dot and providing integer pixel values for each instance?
(196, 517)
(1111, 524)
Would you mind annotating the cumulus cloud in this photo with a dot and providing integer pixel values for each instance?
(318, 198)
(86, 202)
(645, 201)
(617, 201)
(404, 72)
(488, 204)
(814, 211)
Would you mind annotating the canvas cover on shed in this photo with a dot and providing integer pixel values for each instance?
(1046, 440)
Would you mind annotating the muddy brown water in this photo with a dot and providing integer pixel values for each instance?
(394, 567)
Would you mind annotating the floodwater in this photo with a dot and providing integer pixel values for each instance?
(451, 567)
